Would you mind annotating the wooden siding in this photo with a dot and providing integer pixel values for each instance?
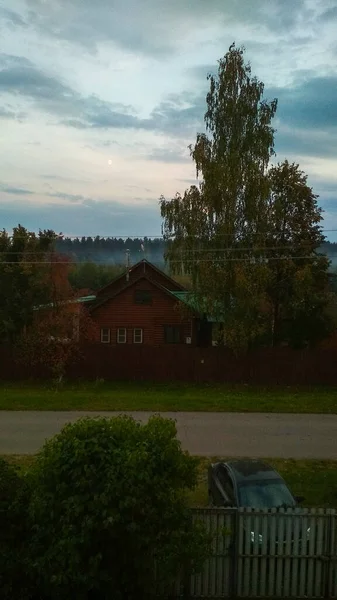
(121, 312)
(137, 271)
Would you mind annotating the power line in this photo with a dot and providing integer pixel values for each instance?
(193, 260)
(138, 237)
(40, 262)
(192, 250)
(215, 260)
(247, 249)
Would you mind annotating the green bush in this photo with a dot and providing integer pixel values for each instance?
(109, 510)
(14, 497)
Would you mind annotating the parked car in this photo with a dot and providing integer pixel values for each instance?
(248, 483)
(252, 484)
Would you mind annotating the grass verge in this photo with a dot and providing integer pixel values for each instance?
(167, 397)
(316, 480)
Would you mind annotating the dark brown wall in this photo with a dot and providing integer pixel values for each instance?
(121, 311)
(187, 363)
(280, 366)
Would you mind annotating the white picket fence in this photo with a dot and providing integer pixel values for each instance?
(267, 554)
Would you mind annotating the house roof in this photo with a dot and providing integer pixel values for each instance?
(144, 261)
(103, 299)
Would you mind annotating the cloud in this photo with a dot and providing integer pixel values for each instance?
(305, 141)
(6, 113)
(97, 218)
(69, 197)
(12, 18)
(169, 155)
(155, 27)
(15, 190)
(22, 79)
(53, 177)
(312, 103)
(328, 15)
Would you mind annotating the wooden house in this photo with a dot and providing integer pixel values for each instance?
(146, 306)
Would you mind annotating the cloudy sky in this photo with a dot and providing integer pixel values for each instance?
(99, 101)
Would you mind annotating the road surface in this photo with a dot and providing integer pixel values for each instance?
(206, 434)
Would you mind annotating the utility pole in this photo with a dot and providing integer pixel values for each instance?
(127, 264)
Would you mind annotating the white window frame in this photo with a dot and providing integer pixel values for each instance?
(105, 339)
(138, 333)
(121, 335)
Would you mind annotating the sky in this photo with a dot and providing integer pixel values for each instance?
(100, 100)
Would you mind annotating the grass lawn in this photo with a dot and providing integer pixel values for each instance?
(316, 480)
(167, 397)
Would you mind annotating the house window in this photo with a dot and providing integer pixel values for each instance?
(137, 336)
(105, 335)
(143, 297)
(172, 334)
(121, 335)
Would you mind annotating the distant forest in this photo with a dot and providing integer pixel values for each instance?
(99, 260)
(112, 251)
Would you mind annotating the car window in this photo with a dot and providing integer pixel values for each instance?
(265, 494)
(226, 483)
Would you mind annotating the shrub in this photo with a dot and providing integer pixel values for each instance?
(110, 512)
(14, 580)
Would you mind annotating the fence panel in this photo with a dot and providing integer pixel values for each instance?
(216, 579)
(332, 564)
(268, 554)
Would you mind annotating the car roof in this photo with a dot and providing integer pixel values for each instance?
(251, 470)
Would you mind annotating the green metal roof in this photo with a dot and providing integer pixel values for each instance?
(86, 298)
(192, 302)
(80, 300)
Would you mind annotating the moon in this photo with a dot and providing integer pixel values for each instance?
(109, 161)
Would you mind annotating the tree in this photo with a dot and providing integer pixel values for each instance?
(109, 511)
(24, 267)
(54, 337)
(92, 276)
(54, 340)
(216, 232)
(14, 497)
(299, 282)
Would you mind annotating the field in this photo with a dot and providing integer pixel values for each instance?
(167, 397)
(316, 480)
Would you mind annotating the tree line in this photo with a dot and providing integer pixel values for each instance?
(113, 250)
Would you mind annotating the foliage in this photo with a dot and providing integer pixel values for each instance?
(250, 235)
(54, 340)
(217, 229)
(91, 276)
(299, 283)
(24, 271)
(110, 511)
(13, 540)
(53, 337)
